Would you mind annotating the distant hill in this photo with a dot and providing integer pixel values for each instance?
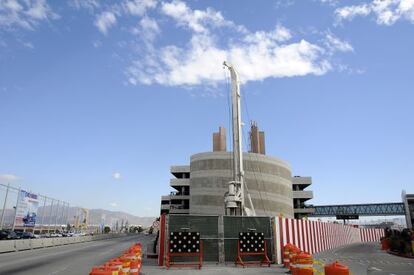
(97, 215)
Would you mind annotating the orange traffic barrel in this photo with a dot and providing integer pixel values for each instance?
(303, 264)
(135, 267)
(114, 263)
(135, 249)
(132, 256)
(385, 245)
(126, 264)
(292, 257)
(103, 270)
(286, 250)
(336, 268)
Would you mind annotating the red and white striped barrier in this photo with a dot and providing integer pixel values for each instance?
(371, 234)
(314, 236)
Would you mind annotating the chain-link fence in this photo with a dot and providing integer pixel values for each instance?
(50, 214)
(220, 233)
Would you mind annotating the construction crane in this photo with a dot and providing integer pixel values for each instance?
(234, 199)
(82, 224)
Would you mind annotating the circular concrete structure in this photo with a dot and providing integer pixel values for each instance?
(268, 179)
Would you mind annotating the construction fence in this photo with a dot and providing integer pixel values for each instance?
(220, 234)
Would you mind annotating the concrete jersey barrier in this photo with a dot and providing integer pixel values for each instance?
(7, 246)
(37, 243)
(23, 244)
(18, 245)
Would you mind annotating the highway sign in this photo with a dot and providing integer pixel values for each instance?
(347, 217)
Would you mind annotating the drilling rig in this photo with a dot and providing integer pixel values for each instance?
(235, 197)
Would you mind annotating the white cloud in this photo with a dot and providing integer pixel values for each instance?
(108, 17)
(26, 14)
(196, 20)
(329, 2)
(334, 44)
(280, 34)
(113, 204)
(148, 29)
(117, 176)
(283, 3)
(386, 12)
(256, 55)
(105, 20)
(259, 56)
(9, 178)
(138, 7)
(349, 12)
(85, 4)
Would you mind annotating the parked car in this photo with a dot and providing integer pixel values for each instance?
(44, 235)
(27, 235)
(4, 234)
(13, 236)
(67, 234)
(55, 235)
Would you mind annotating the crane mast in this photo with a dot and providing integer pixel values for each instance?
(234, 199)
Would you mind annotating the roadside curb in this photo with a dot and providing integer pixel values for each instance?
(399, 255)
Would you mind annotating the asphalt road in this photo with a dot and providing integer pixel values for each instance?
(76, 259)
(362, 259)
(367, 258)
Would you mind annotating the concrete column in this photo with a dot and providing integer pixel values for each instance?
(221, 253)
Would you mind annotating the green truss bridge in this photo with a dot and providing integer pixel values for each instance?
(372, 209)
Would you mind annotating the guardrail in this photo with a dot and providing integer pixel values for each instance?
(26, 244)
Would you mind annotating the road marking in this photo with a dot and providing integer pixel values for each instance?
(58, 271)
(373, 268)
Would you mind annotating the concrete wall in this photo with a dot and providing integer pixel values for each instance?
(18, 245)
(269, 181)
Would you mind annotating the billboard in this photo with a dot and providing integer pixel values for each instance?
(26, 211)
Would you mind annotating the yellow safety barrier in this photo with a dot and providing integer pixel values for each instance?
(303, 264)
(320, 265)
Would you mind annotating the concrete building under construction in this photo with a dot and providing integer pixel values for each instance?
(201, 186)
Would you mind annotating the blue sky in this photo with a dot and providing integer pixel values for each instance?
(99, 98)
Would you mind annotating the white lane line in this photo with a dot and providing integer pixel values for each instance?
(373, 268)
(59, 270)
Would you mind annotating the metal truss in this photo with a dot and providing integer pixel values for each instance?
(374, 209)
